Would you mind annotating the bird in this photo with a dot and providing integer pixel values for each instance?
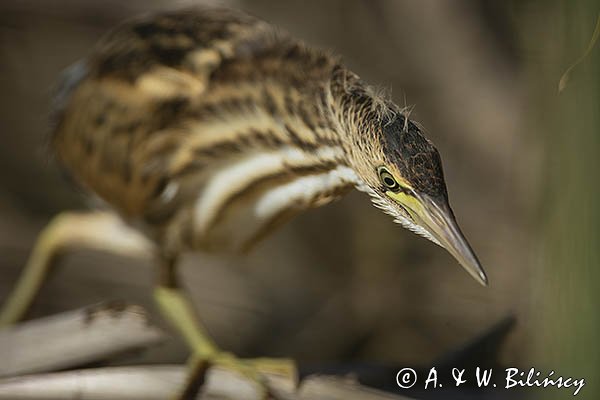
(203, 130)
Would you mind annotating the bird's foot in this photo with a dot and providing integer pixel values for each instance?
(206, 354)
(256, 371)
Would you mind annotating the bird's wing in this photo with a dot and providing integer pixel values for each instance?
(117, 111)
(186, 43)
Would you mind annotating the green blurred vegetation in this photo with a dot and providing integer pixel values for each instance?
(566, 284)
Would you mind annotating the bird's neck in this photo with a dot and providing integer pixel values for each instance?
(294, 149)
(358, 111)
(285, 147)
(325, 126)
(298, 145)
(355, 106)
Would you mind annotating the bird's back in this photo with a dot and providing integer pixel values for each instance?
(164, 102)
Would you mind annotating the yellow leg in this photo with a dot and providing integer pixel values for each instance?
(177, 309)
(95, 230)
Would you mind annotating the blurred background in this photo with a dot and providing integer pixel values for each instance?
(343, 283)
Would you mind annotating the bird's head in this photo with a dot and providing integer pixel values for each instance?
(402, 171)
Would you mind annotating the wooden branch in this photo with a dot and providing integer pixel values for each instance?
(74, 338)
(104, 383)
(161, 382)
(94, 333)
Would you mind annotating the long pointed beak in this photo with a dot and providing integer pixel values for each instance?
(441, 223)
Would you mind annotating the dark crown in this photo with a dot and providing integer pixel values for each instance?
(414, 155)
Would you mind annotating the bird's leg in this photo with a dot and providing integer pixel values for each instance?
(95, 230)
(175, 305)
(178, 310)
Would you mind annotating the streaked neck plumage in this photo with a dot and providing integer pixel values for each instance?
(309, 161)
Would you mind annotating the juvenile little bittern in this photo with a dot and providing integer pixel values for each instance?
(204, 129)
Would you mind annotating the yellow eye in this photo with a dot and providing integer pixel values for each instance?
(387, 179)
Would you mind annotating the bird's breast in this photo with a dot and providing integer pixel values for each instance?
(245, 200)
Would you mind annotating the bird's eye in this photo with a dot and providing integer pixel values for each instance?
(387, 179)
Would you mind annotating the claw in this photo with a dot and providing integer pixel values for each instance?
(253, 371)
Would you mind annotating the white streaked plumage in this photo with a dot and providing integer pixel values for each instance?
(231, 179)
(399, 218)
(302, 190)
